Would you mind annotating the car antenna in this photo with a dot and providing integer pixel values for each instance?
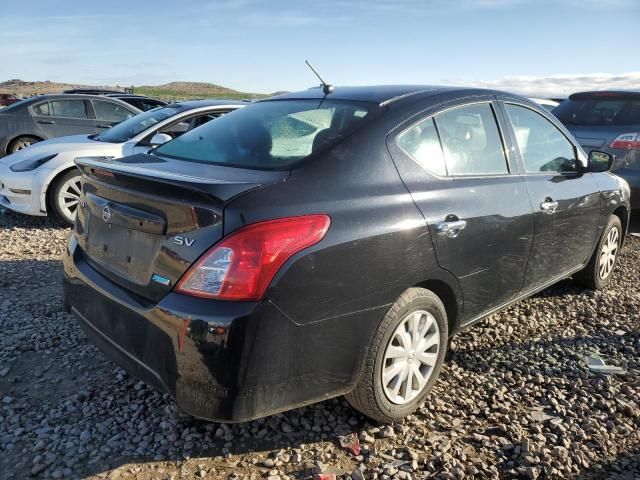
(326, 88)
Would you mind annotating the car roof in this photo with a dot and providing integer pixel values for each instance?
(92, 91)
(191, 104)
(382, 94)
(606, 93)
(128, 95)
(74, 96)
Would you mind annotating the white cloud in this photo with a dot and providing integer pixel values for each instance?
(557, 85)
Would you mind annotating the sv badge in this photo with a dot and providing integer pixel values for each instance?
(184, 241)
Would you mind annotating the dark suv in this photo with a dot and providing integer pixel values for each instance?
(608, 121)
(315, 245)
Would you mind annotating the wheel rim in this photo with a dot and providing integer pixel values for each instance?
(410, 357)
(69, 197)
(23, 144)
(608, 253)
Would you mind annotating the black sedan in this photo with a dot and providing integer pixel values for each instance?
(50, 116)
(315, 245)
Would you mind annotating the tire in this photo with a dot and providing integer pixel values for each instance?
(597, 275)
(370, 396)
(62, 190)
(22, 142)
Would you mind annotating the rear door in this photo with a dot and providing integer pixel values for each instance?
(566, 202)
(59, 118)
(476, 205)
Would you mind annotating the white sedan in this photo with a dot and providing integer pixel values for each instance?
(43, 179)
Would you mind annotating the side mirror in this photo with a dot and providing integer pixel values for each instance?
(599, 161)
(160, 138)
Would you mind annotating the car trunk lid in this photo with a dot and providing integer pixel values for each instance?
(143, 220)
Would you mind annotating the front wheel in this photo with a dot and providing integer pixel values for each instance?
(65, 196)
(597, 274)
(403, 359)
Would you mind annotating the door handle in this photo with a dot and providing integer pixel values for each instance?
(47, 122)
(103, 126)
(548, 206)
(451, 229)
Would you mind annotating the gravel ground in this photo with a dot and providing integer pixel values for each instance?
(515, 398)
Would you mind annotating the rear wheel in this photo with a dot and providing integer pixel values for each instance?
(65, 196)
(22, 142)
(597, 274)
(404, 358)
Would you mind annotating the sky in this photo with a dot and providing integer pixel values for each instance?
(534, 47)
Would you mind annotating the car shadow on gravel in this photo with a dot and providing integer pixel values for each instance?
(10, 219)
(625, 466)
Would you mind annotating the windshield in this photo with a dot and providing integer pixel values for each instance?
(128, 129)
(272, 135)
(599, 111)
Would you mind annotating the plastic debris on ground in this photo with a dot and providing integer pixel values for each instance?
(598, 365)
(351, 444)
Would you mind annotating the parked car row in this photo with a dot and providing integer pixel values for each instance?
(43, 179)
(320, 243)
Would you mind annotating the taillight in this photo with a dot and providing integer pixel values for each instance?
(628, 141)
(243, 264)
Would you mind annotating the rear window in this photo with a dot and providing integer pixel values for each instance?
(272, 135)
(599, 110)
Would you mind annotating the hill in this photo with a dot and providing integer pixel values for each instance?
(168, 91)
(191, 90)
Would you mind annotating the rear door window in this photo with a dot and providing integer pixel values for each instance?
(421, 143)
(462, 141)
(471, 141)
(68, 108)
(41, 110)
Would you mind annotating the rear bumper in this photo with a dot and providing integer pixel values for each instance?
(222, 361)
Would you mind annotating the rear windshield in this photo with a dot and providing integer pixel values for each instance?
(599, 110)
(125, 131)
(272, 135)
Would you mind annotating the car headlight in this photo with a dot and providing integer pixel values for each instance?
(31, 164)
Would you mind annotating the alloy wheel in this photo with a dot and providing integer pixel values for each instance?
(23, 144)
(410, 357)
(608, 253)
(69, 197)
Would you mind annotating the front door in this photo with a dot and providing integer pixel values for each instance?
(478, 211)
(566, 200)
(107, 114)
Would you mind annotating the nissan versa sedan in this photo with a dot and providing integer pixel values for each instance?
(246, 282)
(43, 179)
(608, 121)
